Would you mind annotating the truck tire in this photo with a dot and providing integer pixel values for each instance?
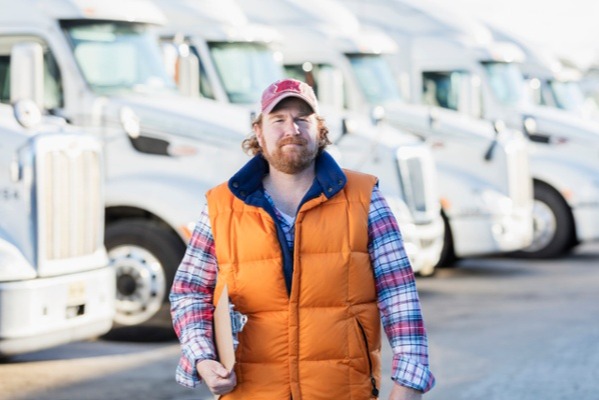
(146, 257)
(554, 231)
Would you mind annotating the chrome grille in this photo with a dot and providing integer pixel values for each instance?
(70, 202)
(413, 184)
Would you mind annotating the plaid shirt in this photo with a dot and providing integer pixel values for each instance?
(193, 287)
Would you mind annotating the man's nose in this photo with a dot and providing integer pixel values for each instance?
(292, 128)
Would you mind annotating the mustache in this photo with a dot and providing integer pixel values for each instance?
(292, 140)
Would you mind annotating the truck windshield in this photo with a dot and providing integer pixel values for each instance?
(375, 78)
(507, 83)
(245, 69)
(443, 88)
(118, 57)
(567, 95)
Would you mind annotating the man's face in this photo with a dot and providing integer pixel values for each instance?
(289, 136)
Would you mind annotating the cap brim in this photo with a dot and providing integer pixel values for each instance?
(284, 96)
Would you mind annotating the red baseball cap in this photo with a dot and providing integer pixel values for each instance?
(285, 88)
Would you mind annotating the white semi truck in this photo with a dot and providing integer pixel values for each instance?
(103, 71)
(454, 63)
(56, 285)
(483, 183)
(237, 60)
(549, 81)
(589, 82)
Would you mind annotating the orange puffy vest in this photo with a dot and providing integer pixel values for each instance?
(323, 340)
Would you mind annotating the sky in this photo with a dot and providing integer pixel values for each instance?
(569, 27)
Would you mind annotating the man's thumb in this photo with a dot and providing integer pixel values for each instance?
(221, 371)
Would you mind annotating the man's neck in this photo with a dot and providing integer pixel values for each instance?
(288, 190)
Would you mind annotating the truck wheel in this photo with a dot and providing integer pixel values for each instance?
(145, 257)
(554, 230)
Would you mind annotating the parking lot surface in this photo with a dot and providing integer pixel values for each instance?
(498, 328)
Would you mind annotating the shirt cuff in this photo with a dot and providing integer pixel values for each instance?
(187, 373)
(412, 374)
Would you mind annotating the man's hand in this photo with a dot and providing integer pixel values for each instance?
(404, 393)
(217, 378)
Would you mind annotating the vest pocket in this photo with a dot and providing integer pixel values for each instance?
(364, 341)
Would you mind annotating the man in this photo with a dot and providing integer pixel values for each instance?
(310, 253)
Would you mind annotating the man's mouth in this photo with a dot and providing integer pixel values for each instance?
(293, 142)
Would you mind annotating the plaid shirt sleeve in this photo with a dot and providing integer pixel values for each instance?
(398, 298)
(191, 302)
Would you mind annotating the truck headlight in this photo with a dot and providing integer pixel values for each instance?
(530, 125)
(130, 122)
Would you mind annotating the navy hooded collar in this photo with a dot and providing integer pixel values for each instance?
(329, 180)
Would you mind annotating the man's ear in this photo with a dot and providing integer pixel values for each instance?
(258, 132)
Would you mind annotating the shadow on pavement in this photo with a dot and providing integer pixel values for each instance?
(77, 350)
(141, 334)
(487, 267)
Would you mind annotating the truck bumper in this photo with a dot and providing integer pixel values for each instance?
(411, 244)
(46, 312)
(489, 234)
(430, 238)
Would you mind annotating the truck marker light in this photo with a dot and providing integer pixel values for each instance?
(445, 203)
(568, 194)
(181, 150)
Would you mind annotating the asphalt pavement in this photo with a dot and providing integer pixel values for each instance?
(499, 329)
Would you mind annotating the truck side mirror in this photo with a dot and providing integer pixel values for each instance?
(534, 90)
(470, 96)
(182, 65)
(170, 54)
(188, 72)
(27, 73)
(330, 88)
(476, 96)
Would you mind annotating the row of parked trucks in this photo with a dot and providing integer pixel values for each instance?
(431, 105)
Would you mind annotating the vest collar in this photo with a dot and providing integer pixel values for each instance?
(330, 178)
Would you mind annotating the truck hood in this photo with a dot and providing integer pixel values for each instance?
(562, 124)
(360, 124)
(419, 119)
(187, 117)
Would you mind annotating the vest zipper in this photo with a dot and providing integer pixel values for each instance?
(375, 390)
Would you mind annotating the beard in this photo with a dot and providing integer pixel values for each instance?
(292, 160)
